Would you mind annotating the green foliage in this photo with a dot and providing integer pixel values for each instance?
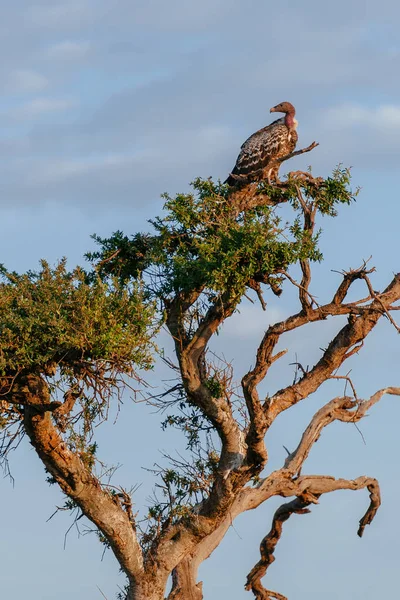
(126, 256)
(322, 194)
(83, 334)
(181, 487)
(202, 243)
(123, 593)
(56, 317)
(191, 421)
(333, 191)
(215, 387)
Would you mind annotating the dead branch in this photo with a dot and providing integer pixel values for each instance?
(363, 406)
(317, 485)
(308, 490)
(344, 409)
(298, 152)
(306, 299)
(348, 381)
(268, 545)
(379, 301)
(344, 345)
(332, 411)
(272, 336)
(348, 278)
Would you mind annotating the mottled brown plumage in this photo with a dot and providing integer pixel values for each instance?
(259, 153)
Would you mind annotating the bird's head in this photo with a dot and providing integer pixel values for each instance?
(284, 107)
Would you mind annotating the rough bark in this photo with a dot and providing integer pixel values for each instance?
(74, 478)
(184, 586)
(229, 496)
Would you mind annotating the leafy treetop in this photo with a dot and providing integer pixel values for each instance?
(81, 333)
(205, 244)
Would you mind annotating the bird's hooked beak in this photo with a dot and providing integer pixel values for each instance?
(273, 109)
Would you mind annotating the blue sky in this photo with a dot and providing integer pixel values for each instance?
(104, 105)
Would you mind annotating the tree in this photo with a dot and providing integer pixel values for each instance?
(71, 341)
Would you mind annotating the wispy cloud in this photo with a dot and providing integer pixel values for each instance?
(68, 50)
(105, 105)
(213, 92)
(24, 81)
(42, 106)
(382, 116)
(61, 170)
(362, 135)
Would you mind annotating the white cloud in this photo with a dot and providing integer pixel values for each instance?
(382, 116)
(390, 115)
(68, 50)
(47, 171)
(25, 81)
(359, 135)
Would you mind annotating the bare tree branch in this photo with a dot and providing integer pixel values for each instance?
(268, 545)
(345, 409)
(298, 152)
(379, 301)
(345, 343)
(308, 490)
(348, 278)
(306, 299)
(349, 339)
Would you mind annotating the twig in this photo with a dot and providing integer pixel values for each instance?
(348, 381)
(105, 260)
(104, 596)
(377, 299)
(298, 152)
(299, 286)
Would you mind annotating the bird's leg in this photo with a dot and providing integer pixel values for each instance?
(272, 176)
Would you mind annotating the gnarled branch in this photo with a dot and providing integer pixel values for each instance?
(344, 344)
(308, 490)
(77, 481)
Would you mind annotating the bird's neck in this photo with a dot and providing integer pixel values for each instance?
(290, 121)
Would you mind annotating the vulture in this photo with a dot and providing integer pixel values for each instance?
(258, 155)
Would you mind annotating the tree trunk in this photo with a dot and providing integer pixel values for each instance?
(184, 586)
(148, 589)
(145, 594)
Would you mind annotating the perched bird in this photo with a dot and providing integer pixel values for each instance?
(259, 153)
